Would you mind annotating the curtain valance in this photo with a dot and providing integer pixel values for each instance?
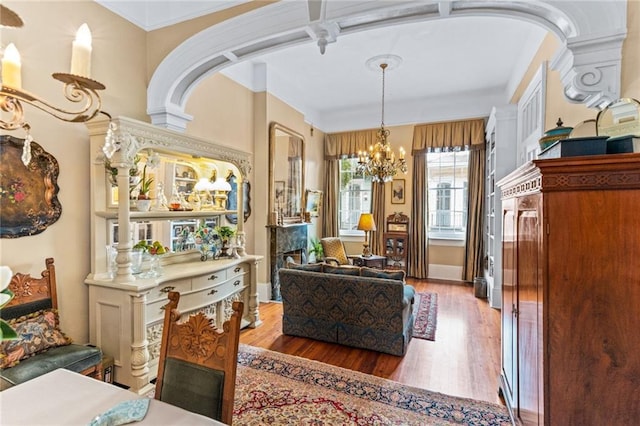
(448, 136)
(347, 144)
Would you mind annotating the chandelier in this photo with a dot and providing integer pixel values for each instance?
(78, 87)
(380, 161)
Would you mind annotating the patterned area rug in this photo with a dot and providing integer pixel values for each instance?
(278, 389)
(425, 313)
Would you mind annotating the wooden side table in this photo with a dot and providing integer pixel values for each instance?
(373, 261)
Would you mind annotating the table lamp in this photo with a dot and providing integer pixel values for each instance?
(366, 224)
(220, 188)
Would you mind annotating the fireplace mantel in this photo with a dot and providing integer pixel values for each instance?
(287, 240)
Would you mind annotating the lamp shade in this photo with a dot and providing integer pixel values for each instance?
(204, 185)
(366, 222)
(221, 185)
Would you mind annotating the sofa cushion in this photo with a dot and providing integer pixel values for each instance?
(37, 332)
(379, 273)
(313, 267)
(341, 270)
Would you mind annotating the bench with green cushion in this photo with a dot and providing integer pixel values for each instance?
(35, 303)
(78, 358)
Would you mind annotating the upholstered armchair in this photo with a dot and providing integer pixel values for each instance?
(334, 251)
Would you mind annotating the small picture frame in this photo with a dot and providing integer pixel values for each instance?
(313, 202)
(397, 191)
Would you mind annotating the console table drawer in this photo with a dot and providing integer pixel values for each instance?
(204, 281)
(241, 269)
(161, 291)
(225, 290)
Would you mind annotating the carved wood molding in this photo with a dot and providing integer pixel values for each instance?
(197, 340)
(592, 180)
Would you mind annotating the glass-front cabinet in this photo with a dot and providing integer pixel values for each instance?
(160, 206)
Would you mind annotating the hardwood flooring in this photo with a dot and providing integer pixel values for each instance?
(463, 361)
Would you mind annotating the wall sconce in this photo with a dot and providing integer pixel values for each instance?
(220, 189)
(366, 224)
(78, 88)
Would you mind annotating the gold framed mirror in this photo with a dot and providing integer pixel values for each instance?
(286, 174)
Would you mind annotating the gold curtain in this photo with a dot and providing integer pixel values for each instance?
(337, 146)
(330, 205)
(377, 208)
(418, 254)
(436, 137)
(448, 135)
(347, 144)
(474, 245)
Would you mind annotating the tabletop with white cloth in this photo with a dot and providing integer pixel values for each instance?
(63, 397)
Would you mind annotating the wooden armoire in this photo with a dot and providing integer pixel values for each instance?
(571, 291)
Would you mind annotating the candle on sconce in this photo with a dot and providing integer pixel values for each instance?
(11, 66)
(81, 52)
(401, 153)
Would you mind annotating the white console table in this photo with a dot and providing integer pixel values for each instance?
(125, 318)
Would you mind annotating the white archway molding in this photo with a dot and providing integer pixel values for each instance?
(589, 61)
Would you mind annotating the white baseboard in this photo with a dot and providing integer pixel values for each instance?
(264, 292)
(445, 272)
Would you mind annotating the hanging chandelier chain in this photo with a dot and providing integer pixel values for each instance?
(384, 67)
(380, 162)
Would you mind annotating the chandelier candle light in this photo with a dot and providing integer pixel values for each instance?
(78, 86)
(380, 161)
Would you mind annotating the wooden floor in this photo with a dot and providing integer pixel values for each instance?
(463, 361)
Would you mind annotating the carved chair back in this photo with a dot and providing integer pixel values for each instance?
(198, 362)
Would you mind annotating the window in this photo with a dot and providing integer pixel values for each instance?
(354, 197)
(448, 187)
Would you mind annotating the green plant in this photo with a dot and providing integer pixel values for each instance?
(6, 331)
(145, 185)
(316, 248)
(225, 232)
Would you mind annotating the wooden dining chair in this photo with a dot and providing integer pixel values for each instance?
(197, 364)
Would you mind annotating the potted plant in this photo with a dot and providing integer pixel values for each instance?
(144, 202)
(316, 250)
(225, 232)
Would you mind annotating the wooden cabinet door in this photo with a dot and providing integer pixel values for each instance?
(509, 305)
(528, 308)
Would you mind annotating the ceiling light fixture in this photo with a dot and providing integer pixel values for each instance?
(78, 87)
(380, 161)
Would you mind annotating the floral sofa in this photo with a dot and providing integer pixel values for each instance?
(359, 307)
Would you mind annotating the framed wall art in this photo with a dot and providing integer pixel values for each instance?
(313, 202)
(28, 194)
(397, 191)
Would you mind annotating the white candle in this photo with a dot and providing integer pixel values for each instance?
(81, 52)
(11, 67)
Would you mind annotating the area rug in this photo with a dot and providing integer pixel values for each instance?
(278, 389)
(425, 313)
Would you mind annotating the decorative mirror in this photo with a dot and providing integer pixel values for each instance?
(286, 174)
(620, 118)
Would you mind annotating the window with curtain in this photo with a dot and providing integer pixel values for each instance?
(448, 186)
(354, 198)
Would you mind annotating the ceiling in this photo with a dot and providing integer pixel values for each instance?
(475, 60)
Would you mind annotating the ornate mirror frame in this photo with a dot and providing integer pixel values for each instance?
(286, 153)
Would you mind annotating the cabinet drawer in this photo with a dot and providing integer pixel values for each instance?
(208, 280)
(225, 290)
(240, 269)
(161, 291)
